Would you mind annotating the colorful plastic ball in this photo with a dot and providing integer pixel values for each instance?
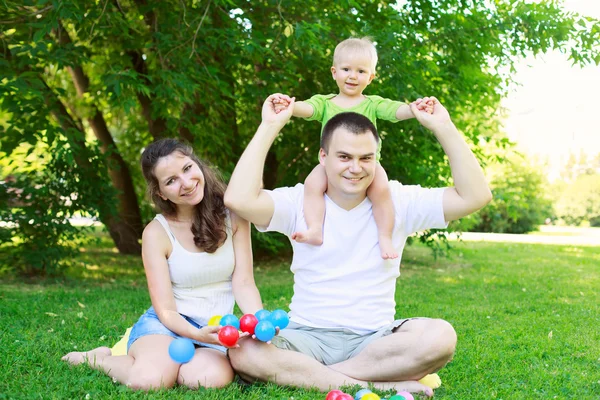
(370, 396)
(181, 350)
(279, 318)
(214, 320)
(229, 335)
(334, 395)
(361, 393)
(264, 331)
(262, 314)
(230, 319)
(345, 396)
(397, 397)
(406, 395)
(248, 323)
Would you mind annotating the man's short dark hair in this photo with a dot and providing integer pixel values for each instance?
(355, 123)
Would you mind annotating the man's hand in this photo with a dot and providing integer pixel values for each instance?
(275, 111)
(430, 118)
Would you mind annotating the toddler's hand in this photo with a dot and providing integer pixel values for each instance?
(426, 104)
(280, 103)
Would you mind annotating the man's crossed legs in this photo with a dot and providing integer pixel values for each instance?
(392, 358)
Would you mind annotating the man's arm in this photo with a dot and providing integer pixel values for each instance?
(244, 195)
(471, 191)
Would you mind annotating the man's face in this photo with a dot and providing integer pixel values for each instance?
(350, 166)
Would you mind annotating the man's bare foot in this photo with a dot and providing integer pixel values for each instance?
(405, 386)
(311, 236)
(388, 252)
(78, 357)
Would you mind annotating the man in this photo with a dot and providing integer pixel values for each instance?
(342, 328)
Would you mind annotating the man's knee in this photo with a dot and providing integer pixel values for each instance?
(443, 339)
(247, 359)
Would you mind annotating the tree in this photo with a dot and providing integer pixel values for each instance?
(116, 74)
(579, 201)
(521, 200)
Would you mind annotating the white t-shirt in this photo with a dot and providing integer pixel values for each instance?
(344, 283)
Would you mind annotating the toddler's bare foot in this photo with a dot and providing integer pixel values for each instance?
(78, 357)
(387, 249)
(311, 236)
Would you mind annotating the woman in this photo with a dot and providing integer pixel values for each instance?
(197, 258)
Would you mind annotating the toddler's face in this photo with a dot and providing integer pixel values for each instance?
(353, 73)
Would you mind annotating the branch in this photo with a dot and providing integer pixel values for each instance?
(26, 17)
(198, 28)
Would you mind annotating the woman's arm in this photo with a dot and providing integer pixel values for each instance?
(156, 247)
(244, 287)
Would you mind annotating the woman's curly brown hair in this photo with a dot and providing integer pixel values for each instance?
(208, 226)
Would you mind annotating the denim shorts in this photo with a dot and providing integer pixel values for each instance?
(149, 324)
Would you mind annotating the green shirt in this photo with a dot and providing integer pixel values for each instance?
(372, 107)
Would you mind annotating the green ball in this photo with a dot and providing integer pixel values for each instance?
(397, 397)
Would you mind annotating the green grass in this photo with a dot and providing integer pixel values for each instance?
(527, 317)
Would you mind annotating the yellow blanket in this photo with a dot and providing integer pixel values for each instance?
(120, 348)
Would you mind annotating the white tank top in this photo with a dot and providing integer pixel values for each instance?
(201, 282)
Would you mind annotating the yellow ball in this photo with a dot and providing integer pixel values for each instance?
(214, 320)
(370, 396)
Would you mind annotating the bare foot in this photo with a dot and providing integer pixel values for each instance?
(78, 357)
(388, 252)
(311, 236)
(405, 386)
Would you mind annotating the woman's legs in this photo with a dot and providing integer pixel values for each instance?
(209, 368)
(146, 366)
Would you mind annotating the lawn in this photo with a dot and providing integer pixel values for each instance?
(527, 317)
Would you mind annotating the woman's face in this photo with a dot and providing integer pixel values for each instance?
(180, 179)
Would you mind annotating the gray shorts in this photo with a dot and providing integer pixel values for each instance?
(329, 346)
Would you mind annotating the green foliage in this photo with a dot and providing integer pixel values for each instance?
(579, 201)
(200, 70)
(35, 207)
(520, 203)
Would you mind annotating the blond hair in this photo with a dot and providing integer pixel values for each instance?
(355, 46)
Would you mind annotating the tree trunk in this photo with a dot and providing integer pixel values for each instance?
(125, 229)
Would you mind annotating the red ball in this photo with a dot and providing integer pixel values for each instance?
(334, 395)
(248, 323)
(228, 335)
(345, 396)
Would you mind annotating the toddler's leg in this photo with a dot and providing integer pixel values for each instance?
(383, 212)
(314, 207)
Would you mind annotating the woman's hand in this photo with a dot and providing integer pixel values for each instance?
(210, 335)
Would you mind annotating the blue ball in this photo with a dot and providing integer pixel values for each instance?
(264, 331)
(279, 318)
(230, 319)
(262, 314)
(361, 393)
(182, 350)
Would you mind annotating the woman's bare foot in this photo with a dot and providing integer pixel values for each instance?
(78, 357)
(388, 251)
(310, 236)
